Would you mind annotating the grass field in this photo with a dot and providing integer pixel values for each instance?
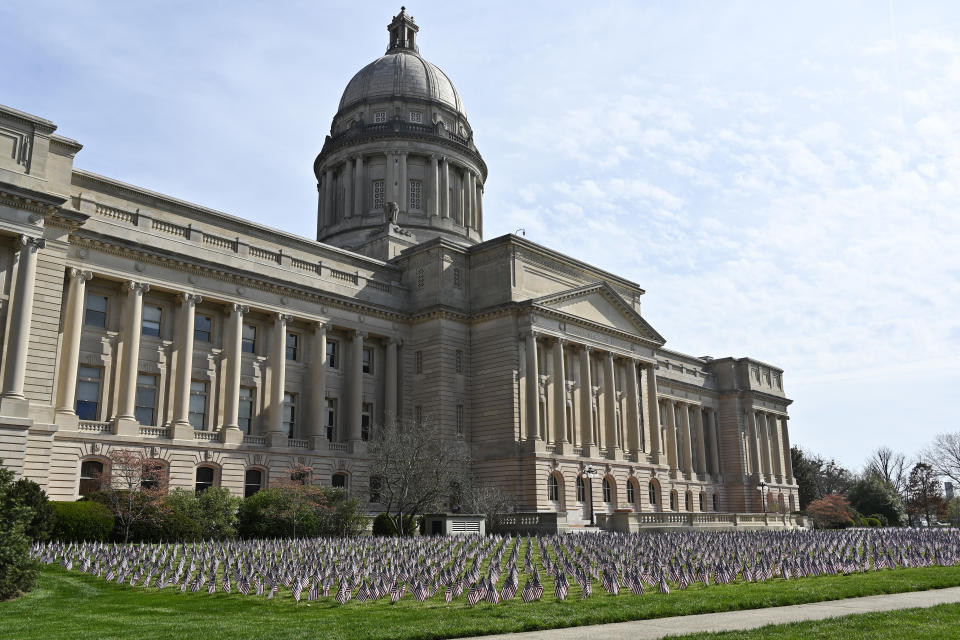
(73, 605)
(941, 622)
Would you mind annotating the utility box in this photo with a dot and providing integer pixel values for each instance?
(454, 524)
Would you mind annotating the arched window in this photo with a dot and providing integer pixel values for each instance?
(90, 473)
(607, 490)
(206, 477)
(252, 482)
(339, 480)
(716, 502)
(153, 474)
(581, 489)
(553, 488)
(703, 502)
(652, 494)
(631, 494)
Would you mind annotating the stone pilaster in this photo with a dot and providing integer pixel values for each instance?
(701, 441)
(532, 387)
(633, 411)
(390, 410)
(348, 188)
(586, 404)
(359, 186)
(653, 415)
(355, 390)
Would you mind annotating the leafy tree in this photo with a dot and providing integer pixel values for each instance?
(18, 572)
(29, 493)
(343, 515)
(133, 488)
(84, 520)
(204, 515)
(804, 472)
(870, 494)
(924, 494)
(818, 477)
(831, 512)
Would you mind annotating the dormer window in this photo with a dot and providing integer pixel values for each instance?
(379, 117)
(416, 117)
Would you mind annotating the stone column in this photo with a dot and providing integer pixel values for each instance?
(533, 388)
(586, 404)
(462, 205)
(701, 441)
(355, 391)
(754, 438)
(404, 184)
(480, 209)
(318, 386)
(687, 443)
(434, 207)
(70, 347)
(230, 430)
(321, 200)
(126, 420)
(633, 411)
(359, 186)
(14, 402)
(671, 436)
(776, 449)
(471, 200)
(653, 415)
(714, 443)
(328, 212)
(182, 429)
(610, 406)
(788, 458)
(389, 179)
(390, 384)
(559, 384)
(347, 188)
(276, 436)
(765, 447)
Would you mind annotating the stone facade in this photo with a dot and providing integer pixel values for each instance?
(133, 319)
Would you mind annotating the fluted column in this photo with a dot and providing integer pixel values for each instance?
(230, 429)
(653, 414)
(328, 211)
(390, 411)
(18, 338)
(765, 447)
(359, 185)
(714, 442)
(347, 188)
(701, 441)
(754, 438)
(687, 443)
(404, 184)
(131, 355)
(433, 208)
(633, 410)
(775, 448)
(586, 402)
(787, 456)
(355, 410)
(70, 347)
(389, 178)
(444, 200)
(559, 393)
(471, 200)
(533, 388)
(278, 380)
(182, 429)
(671, 436)
(610, 404)
(318, 385)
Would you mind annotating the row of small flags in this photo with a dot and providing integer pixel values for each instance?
(367, 569)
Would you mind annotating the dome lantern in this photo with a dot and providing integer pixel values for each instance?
(403, 32)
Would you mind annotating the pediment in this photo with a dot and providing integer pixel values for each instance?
(600, 304)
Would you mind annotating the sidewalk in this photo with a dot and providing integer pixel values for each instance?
(741, 620)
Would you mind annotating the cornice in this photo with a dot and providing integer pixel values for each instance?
(589, 324)
(42, 125)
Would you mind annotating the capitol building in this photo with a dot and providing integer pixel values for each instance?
(231, 351)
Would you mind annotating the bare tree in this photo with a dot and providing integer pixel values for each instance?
(488, 499)
(416, 468)
(944, 455)
(133, 486)
(890, 466)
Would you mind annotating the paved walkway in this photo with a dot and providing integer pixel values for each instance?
(740, 620)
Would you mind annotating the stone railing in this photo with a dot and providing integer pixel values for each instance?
(91, 426)
(296, 443)
(529, 523)
(628, 522)
(220, 241)
(208, 436)
(119, 214)
(264, 254)
(154, 432)
(169, 227)
(346, 276)
(260, 441)
(343, 447)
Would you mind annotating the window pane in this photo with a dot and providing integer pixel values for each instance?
(245, 409)
(332, 355)
(146, 399)
(292, 342)
(205, 477)
(368, 360)
(339, 480)
(248, 343)
(253, 482)
(150, 323)
(198, 404)
(201, 328)
(95, 313)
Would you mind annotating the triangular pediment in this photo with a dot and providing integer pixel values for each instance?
(599, 304)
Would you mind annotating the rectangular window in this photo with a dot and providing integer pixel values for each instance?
(146, 399)
(416, 195)
(378, 194)
(459, 420)
(150, 323)
(418, 362)
(368, 360)
(333, 359)
(379, 117)
(365, 415)
(245, 414)
(289, 413)
(95, 313)
(418, 414)
(376, 486)
(88, 392)
(202, 328)
(331, 418)
(293, 342)
(459, 360)
(248, 341)
(198, 404)
(416, 117)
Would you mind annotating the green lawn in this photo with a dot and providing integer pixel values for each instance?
(941, 622)
(72, 605)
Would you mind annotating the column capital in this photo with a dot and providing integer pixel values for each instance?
(392, 340)
(26, 241)
(136, 287)
(190, 299)
(236, 307)
(283, 318)
(357, 333)
(320, 326)
(80, 275)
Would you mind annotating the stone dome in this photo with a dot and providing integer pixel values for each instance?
(402, 73)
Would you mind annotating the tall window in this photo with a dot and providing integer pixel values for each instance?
(146, 399)
(378, 194)
(607, 490)
(88, 392)
(293, 346)
(366, 411)
(673, 501)
(90, 473)
(459, 420)
(339, 480)
(686, 501)
(553, 488)
(418, 414)
(416, 195)
(702, 503)
(716, 502)
(331, 418)
(367, 360)
(289, 413)
(245, 410)
(333, 359)
(95, 312)
(459, 360)
(150, 322)
(376, 486)
(248, 341)
(379, 117)
(418, 362)
(198, 404)
(252, 482)
(205, 478)
(631, 494)
(652, 494)
(202, 328)
(581, 490)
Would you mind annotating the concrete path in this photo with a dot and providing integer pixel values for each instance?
(740, 620)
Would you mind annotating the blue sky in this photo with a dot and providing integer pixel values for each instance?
(781, 178)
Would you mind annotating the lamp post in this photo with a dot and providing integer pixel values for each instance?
(591, 473)
(762, 486)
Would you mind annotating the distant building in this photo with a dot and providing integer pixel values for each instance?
(230, 350)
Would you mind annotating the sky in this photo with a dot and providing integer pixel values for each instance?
(781, 178)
